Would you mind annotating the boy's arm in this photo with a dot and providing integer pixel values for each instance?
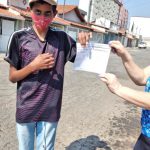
(70, 44)
(138, 75)
(17, 75)
(42, 61)
(141, 99)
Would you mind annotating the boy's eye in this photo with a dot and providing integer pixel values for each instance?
(37, 12)
(48, 14)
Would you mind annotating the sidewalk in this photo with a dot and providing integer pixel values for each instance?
(2, 55)
(132, 48)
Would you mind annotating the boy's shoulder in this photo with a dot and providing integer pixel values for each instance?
(21, 32)
(61, 34)
(58, 31)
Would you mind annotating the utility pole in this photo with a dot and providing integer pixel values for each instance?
(64, 9)
(90, 9)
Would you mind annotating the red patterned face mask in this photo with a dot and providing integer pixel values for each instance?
(41, 22)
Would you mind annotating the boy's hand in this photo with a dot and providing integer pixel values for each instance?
(117, 48)
(112, 82)
(42, 61)
(84, 37)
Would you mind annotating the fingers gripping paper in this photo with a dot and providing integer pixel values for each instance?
(93, 58)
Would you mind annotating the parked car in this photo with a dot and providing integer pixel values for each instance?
(142, 45)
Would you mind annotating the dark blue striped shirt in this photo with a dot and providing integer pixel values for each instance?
(39, 95)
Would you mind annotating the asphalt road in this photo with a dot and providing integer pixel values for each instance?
(92, 118)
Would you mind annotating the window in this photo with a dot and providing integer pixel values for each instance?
(0, 26)
(73, 32)
(28, 23)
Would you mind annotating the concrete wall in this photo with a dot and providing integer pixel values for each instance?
(108, 9)
(71, 16)
(18, 3)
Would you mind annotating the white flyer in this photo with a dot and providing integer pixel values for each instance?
(93, 58)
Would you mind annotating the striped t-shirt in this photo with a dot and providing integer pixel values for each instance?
(39, 95)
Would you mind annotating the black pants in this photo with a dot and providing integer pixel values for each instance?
(143, 143)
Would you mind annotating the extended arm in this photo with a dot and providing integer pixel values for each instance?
(137, 74)
(141, 99)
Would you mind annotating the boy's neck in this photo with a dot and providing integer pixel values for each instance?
(41, 34)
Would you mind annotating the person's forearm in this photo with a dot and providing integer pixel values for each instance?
(141, 99)
(134, 71)
(18, 75)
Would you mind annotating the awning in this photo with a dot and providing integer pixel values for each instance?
(22, 12)
(80, 25)
(61, 21)
(122, 31)
(129, 36)
(5, 13)
(112, 31)
(98, 29)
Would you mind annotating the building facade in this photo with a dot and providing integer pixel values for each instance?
(139, 26)
(85, 6)
(75, 17)
(123, 17)
(108, 9)
(17, 3)
(14, 16)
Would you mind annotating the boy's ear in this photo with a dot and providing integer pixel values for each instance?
(28, 9)
(55, 13)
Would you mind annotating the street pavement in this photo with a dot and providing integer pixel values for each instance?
(92, 118)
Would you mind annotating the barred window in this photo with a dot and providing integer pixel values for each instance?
(0, 26)
(28, 23)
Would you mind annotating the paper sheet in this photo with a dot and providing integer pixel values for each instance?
(93, 58)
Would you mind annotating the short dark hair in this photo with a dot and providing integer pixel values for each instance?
(42, 2)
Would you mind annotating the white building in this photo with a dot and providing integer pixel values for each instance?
(141, 25)
(85, 6)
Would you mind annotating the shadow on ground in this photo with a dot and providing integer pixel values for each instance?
(90, 143)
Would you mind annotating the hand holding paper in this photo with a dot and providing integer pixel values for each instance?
(93, 58)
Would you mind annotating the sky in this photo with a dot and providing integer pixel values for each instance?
(135, 7)
(138, 7)
(71, 2)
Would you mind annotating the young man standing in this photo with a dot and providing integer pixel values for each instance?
(142, 99)
(37, 57)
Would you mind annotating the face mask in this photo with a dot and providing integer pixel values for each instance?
(41, 22)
